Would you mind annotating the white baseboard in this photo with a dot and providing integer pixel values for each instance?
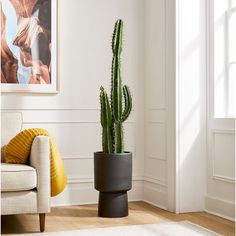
(220, 207)
(155, 204)
(155, 194)
(220, 215)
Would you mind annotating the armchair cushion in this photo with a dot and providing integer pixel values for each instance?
(18, 150)
(17, 177)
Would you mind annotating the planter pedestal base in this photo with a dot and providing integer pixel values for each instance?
(113, 205)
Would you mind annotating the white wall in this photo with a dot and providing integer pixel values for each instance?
(220, 195)
(159, 172)
(155, 182)
(72, 116)
(191, 105)
(150, 69)
(205, 144)
(202, 157)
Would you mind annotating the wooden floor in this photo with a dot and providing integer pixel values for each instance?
(83, 217)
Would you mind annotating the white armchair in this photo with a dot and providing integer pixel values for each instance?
(25, 188)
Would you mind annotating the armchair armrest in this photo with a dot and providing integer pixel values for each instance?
(40, 160)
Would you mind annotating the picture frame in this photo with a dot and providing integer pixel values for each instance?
(37, 66)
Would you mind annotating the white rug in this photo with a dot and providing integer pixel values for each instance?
(183, 228)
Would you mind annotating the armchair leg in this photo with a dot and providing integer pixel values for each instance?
(42, 221)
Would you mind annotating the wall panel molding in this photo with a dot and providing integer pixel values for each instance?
(155, 187)
(74, 180)
(66, 157)
(82, 192)
(156, 116)
(156, 122)
(155, 180)
(90, 179)
(68, 122)
(157, 108)
(150, 136)
(214, 175)
(223, 131)
(66, 116)
(223, 178)
(156, 157)
(60, 122)
(51, 109)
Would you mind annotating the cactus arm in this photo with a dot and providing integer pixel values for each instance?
(105, 122)
(128, 103)
(117, 37)
(106, 140)
(116, 89)
(107, 129)
(105, 108)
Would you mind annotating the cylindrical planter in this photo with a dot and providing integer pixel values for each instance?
(113, 178)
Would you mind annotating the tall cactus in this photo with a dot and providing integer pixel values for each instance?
(113, 114)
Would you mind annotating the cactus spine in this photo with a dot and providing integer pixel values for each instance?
(113, 114)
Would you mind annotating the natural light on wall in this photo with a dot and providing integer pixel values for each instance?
(224, 58)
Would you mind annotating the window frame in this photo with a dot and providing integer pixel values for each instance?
(211, 58)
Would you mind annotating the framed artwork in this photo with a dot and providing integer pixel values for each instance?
(29, 46)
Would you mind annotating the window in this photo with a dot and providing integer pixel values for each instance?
(223, 57)
(231, 63)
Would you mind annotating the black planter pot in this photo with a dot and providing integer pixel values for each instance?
(113, 178)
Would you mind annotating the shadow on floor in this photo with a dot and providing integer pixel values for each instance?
(74, 211)
(11, 224)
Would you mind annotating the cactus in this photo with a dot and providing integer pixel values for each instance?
(113, 114)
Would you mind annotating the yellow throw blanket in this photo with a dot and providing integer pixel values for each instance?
(18, 151)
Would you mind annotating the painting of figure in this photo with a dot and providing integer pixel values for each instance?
(29, 45)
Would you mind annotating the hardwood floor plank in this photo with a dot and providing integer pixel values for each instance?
(85, 216)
